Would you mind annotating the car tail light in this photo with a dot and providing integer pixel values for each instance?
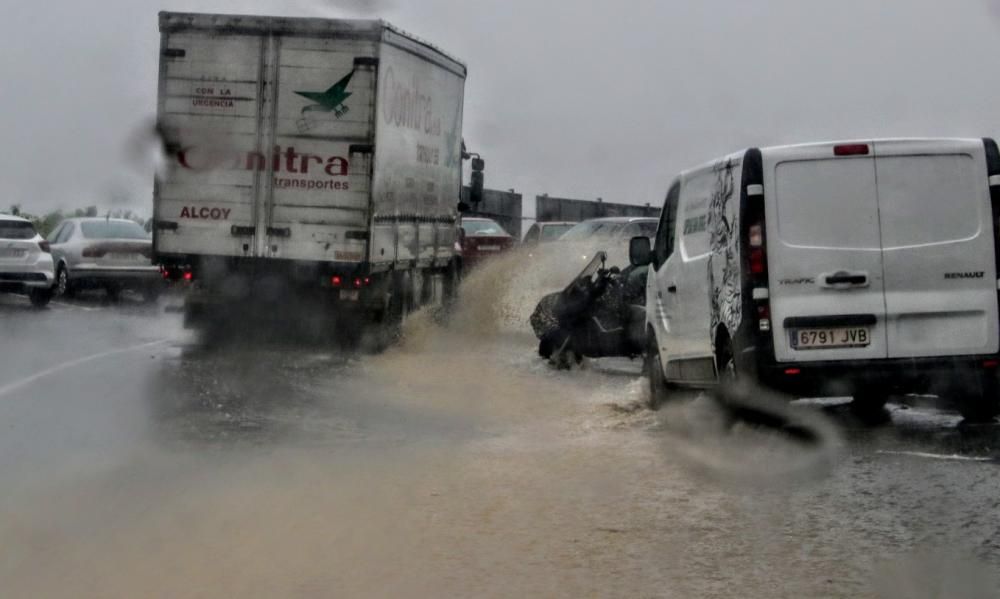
(360, 282)
(45, 247)
(851, 150)
(793, 371)
(189, 276)
(991, 364)
(336, 280)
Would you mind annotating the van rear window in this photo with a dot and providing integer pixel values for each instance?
(16, 229)
(828, 203)
(929, 199)
(112, 230)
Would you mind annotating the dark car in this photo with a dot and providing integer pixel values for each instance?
(482, 239)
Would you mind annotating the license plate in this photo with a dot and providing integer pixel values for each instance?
(489, 248)
(831, 338)
(13, 253)
(350, 295)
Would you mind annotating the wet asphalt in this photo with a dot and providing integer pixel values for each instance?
(140, 459)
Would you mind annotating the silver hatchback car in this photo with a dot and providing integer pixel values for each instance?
(110, 253)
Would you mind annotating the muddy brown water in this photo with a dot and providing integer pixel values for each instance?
(459, 465)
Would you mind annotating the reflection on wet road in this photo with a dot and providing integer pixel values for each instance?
(137, 461)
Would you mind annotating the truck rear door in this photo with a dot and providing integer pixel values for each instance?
(824, 253)
(938, 248)
(317, 201)
(210, 106)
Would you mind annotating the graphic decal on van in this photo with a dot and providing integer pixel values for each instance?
(723, 263)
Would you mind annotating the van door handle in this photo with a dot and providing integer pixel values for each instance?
(846, 278)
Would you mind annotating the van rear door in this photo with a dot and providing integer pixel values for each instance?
(938, 248)
(824, 253)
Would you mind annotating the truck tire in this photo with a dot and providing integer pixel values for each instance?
(389, 323)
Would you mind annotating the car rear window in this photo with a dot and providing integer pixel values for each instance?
(553, 232)
(112, 230)
(592, 229)
(483, 227)
(15, 229)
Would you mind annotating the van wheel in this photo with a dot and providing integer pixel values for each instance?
(659, 389)
(981, 405)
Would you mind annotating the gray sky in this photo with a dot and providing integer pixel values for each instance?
(579, 98)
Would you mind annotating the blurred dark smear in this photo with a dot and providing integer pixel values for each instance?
(742, 434)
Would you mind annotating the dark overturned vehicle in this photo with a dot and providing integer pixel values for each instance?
(601, 313)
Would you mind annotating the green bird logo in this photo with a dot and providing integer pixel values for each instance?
(332, 100)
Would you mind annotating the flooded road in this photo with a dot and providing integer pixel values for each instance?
(137, 461)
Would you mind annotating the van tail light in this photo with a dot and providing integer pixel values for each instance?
(756, 236)
(757, 266)
(45, 247)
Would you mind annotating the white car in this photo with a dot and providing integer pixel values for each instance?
(25, 260)
(859, 268)
(610, 235)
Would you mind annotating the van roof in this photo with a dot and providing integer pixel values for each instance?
(819, 144)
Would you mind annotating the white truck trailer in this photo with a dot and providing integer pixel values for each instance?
(307, 158)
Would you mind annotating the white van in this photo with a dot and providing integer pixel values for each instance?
(850, 268)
